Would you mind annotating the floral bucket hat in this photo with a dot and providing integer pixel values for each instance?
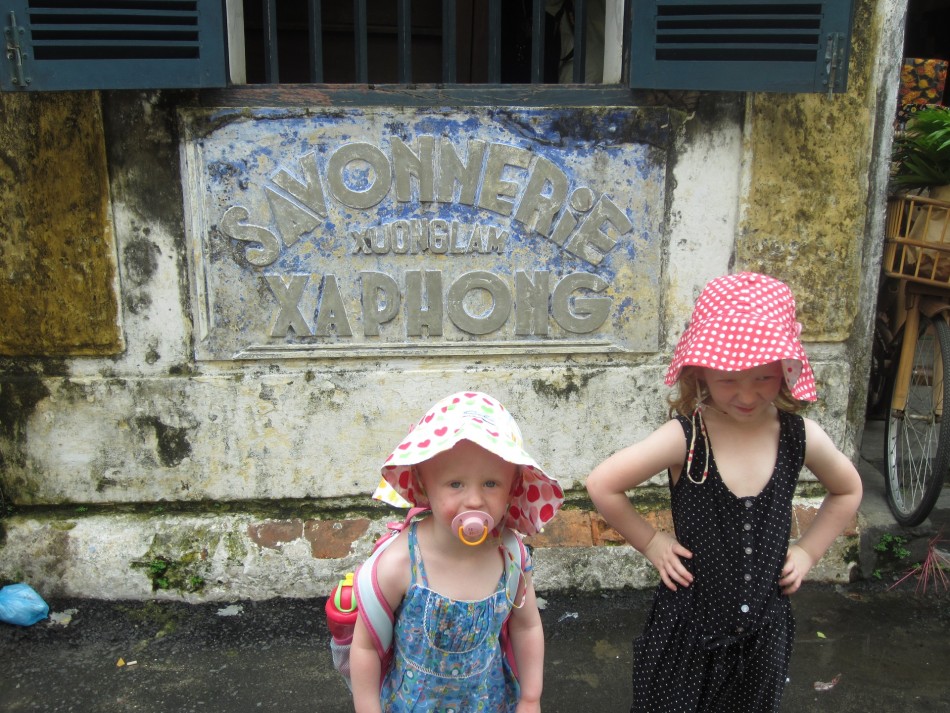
(743, 321)
(481, 419)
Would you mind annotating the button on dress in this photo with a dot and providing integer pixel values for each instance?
(447, 653)
(723, 644)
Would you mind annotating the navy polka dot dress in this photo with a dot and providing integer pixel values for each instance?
(723, 644)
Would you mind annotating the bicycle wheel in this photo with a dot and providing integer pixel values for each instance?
(917, 443)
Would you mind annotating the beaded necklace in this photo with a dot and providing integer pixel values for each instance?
(698, 425)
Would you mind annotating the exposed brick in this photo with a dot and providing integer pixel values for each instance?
(660, 519)
(275, 533)
(803, 515)
(602, 533)
(332, 539)
(571, 528)
(851, 529)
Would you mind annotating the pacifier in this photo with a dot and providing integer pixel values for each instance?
(473, 526)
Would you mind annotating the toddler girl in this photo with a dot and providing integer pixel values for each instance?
(448, 576)
(720, 632)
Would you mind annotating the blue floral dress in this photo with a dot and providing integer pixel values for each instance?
(447, 655)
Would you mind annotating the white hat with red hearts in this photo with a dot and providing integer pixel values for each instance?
(481, 419)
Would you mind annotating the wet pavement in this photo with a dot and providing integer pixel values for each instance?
(883, 650)
(859, 647)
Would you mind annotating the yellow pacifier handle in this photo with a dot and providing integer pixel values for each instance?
(466, 522)
(469, 542)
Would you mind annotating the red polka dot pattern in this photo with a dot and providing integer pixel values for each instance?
(743, 321)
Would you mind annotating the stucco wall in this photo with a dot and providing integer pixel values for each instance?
(153, 425)
(187, 458)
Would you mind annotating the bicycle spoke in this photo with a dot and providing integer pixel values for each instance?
(918, 441)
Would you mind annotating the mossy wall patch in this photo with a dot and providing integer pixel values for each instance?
(57, 289)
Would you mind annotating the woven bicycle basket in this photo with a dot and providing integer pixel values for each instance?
(917, 233)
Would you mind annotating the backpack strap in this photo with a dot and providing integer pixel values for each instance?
(516, 555)
(516, 552)
(374, 610)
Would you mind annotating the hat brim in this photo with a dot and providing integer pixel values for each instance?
(713, 344)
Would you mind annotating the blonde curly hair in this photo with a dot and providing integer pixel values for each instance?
(691, 391)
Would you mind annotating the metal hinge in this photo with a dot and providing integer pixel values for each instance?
(834, 56)
(15, 54)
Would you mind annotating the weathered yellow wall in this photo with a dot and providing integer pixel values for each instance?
(57, 285)
(806, 206)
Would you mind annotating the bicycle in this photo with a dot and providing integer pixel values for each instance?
(911, 355)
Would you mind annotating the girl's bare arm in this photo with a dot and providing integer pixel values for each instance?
(608, 483)
(364, 671)
(527, 641)
(839, 476)
(392, 575)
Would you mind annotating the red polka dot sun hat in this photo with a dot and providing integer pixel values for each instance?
(743, 321)
(479, 418)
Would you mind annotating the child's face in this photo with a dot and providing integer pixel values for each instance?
(744, 395)
(467, 477)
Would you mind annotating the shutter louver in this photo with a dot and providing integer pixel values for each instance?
(113, 44)
(765, 46)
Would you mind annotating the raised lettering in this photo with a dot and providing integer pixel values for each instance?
(453, 171)
(309, 191)
(380, 240)
(406, 164)
(371, 176)
(495, 189)
(591, 241)
(438, 236)
(543, 197)
(496, 240)
(380, 300)
(580, 315)
(531, 303)
(493, 317)
(233, 226)
(562, 231)
(401, 237)
(332, 312)
(292, 220)
(288, 298)
(462, 237)
(424, 303)
(362, 241)
(420, 235)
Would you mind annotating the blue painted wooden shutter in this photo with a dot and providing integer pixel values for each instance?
(112, 44)
(743, 45)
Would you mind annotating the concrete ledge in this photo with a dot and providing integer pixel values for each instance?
(217, 557)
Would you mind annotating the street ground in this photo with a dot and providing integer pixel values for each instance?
(872, 649)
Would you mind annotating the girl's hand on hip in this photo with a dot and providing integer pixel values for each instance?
(666, 553)
(797, 565)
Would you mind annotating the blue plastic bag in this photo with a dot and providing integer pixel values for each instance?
(22, 606)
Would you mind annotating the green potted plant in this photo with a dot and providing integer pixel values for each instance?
(921, 154)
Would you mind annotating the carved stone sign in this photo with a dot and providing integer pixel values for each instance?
(380, 232)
